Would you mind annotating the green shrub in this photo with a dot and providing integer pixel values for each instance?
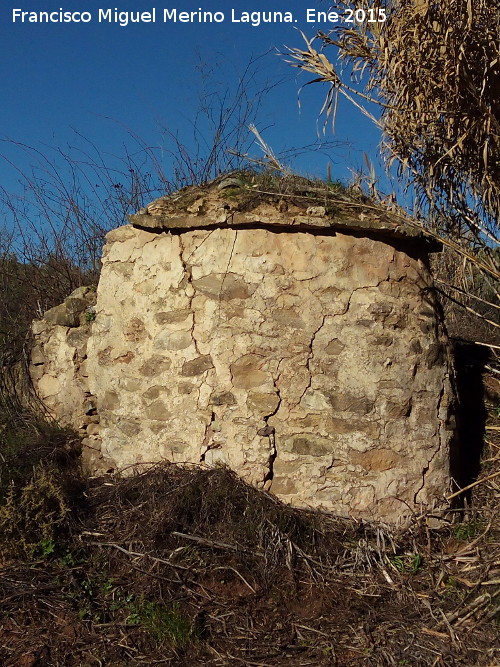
(32, 516)
(164, 623)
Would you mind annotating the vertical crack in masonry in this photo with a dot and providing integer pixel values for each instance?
(425, 469)
(273, 453)
(269, 431)
(187, 272)
(225, 275)
(205, 445)
(186, 267)
(310, 355)
(315, 333)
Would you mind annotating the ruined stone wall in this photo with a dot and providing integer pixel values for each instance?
(313, 365)
(58, 367)
(300, 345)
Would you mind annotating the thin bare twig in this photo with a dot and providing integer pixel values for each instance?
(479, 481)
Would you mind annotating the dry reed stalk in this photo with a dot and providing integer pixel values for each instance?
(479, 481)
(433, 70)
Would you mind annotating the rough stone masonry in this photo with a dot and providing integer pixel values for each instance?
(295, 337)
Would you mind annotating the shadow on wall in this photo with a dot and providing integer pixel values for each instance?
(470, 360)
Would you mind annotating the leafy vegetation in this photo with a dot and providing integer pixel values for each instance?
(40, 478)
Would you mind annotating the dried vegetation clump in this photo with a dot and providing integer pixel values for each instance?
(468, 298)
(277, 198)
(433, 70)
(186, 565)
(249, 187)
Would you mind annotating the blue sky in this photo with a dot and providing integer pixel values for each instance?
(61, 77)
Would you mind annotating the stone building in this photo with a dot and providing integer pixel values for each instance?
(281, 328)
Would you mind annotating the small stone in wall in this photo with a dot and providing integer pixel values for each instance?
(158, 411)
(135, 330)
(109, 401)
(153, 392)
(48, 386)
(223, 398)
(197, 366)
(289, 318)
(155, 365)
(175, 340)
(128, 427)
(93, 429)
(283, 486)
(104, 357)
(130, 383)
(347, 402)
(311, 445)
(377, 460)
(61, 316)
(158, 427)
(185, 388)
(246, 372)
(334, 347)
(172, 316)
(225, 286)
(263, 403)
(78, 338)
(37, 356)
